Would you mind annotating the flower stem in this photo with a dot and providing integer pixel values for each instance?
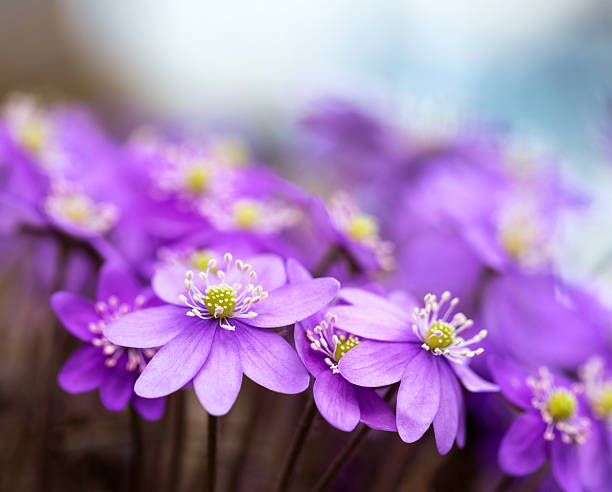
(333, 469)
(211, 453)
(174, 476)
(341, 459)
(296, 446)
(135, 484)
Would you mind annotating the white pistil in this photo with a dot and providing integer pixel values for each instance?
(330, 344)
(219, 298)
(439, 333)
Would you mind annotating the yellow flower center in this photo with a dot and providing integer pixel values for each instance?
(220, 300)
(246, 215)
(440, 335)
(362, 226)
(603, 404)
(344, 345)
(562, 405)
(199, 260)
(77, 209)
(33, 136)
(197, 179)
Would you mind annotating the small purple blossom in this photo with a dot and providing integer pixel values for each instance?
(99, 363)
(553, 424)
(424, 352)
(321, 346)
(216, 327)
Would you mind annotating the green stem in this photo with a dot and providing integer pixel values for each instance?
(296, 446)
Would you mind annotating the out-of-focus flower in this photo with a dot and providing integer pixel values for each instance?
(215, 329)
(321, 346)
(595, 455)
(420, 347)
(553, 424)
(99, 363)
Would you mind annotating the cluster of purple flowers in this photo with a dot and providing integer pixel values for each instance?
(211, 266)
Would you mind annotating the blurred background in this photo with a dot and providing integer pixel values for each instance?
(541, 68)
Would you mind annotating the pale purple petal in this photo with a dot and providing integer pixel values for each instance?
(363, 298)
(152, 327)
(512, 380)
(564, 462)
(373, 322)
(83, 371)
(523, 448)
(336, 400)
(376, 364)
(168, 282)
(116, 280)
(418, 397)
(296, 272)
(294, 302)
(375, 412)
(270, 361)
(177, 362)
(313, 360)
(75, 313)
(149, 408)
(593, 460)
(117, 388)
(446, 421)
(461, 404)
(472, 381)
(218, 382)
(270, 270)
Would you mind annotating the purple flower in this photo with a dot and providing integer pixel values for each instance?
(595, 455)
(321, 346)
(216, 327)
(553, 424)
(424, 351)
(99, 363)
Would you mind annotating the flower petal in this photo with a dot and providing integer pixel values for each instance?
(177, 362)
(218, 382)
(294, 302)
(375, 412)
(336, 400)
(149, 408)
(372, 322)
(116, 280)
(461, 403)
(564, 463)
(472, 381)
(168, 282)
(446, 421)
(270, 271)
(296, 272)
(152, 327)
(512, 380)
(83, 371)
(270, 361)
(376, 364)
(363, 298)
(523, 448)
(75, 313)
(418, 397)
(117, 389)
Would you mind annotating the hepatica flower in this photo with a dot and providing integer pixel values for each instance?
(553, 423)
(360, 230)
(425, 351)
(217, 327)
(99, 363)
(321, 345)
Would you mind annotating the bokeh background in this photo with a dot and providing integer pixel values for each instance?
(541, 68)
